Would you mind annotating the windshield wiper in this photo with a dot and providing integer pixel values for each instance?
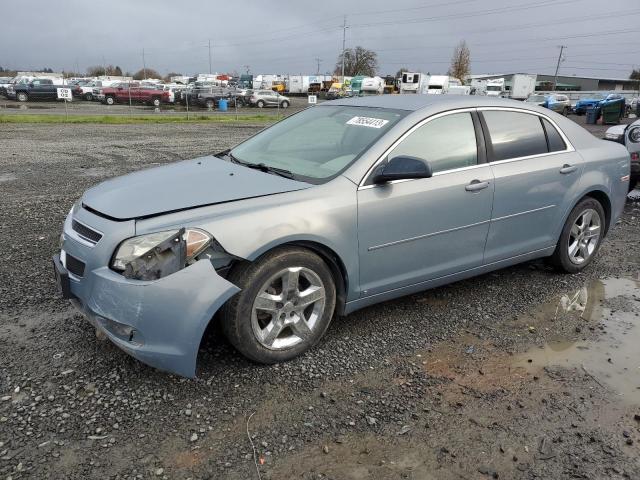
(268, 169)
(257, 166)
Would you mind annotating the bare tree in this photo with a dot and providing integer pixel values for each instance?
(401, 71)
(635, 74)
(150, 73)
(357, 61)
(460, 62)
(99, 70)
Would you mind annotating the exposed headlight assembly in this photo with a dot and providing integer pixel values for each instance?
(634, 134)
(156, 255)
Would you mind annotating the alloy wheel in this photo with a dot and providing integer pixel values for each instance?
(288, 308)
(584, 236)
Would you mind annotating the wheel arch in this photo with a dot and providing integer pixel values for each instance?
(605, 201)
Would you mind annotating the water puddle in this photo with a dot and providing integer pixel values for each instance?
(612, 359)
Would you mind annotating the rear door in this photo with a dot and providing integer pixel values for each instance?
(537, 174)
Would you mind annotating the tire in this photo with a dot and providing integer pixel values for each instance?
(284, 104)
(210, 103)
(633, 183)
(155, 102)
(565, 111)
(109, 100)
(88, 97)
(22, 97)
(260, 104)
(247, 326)
(583, 238)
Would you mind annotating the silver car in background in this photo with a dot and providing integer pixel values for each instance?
(557, 102)
(341, 206)
(268, 98)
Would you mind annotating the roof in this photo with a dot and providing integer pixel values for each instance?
(413, 102)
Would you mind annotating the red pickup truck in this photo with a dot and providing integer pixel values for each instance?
(134, 92)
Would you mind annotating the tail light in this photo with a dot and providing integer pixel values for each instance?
(635, 156)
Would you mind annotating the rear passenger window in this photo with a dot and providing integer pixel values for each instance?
(446, 143)
(515, 134)
(556, 143)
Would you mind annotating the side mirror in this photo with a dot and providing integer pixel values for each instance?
(403, 168)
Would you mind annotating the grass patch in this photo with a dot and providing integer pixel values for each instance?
(136, 119)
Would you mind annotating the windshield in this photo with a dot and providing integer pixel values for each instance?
(597, 96)
(536, 98)
(318, 143)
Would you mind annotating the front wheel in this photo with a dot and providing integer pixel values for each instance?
(581, 236)
(285, 305)
(110, 100)
(565, 111)
(632, 184)
(22, 97)
(88, 97)
(260, 104)
(155, 102)
(284, 104)
(210, 104)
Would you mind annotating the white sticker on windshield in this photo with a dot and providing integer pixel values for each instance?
(368, 122)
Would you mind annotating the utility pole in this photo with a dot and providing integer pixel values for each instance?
(144, 65)
(209, 57)
(344, 39)
(555, 77)
(246, 67)
(104, 66)
(318, 60)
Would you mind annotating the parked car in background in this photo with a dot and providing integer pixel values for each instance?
(629, 136)
(134, 93)
(557, 102)
(36, 89)
(593, 101)
(4, 84)
(268, 98)
(341, 206)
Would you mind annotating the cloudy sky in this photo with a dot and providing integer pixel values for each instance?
(602, 38)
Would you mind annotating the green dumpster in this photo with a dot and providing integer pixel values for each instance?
(612, 111)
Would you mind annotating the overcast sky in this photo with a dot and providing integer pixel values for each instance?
(602, 38)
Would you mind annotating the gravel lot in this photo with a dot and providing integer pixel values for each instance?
(436, 385)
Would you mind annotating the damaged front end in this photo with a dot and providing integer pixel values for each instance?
(152, 295)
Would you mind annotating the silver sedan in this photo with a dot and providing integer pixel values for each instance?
(341, 206)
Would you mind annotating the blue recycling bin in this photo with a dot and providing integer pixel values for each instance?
(222, 105)
(592, 115)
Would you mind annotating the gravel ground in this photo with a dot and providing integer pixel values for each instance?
(427, 386)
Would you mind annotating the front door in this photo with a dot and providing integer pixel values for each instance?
(536, 178)
(416, 230)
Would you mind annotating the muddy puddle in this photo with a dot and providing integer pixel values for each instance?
(612, 306)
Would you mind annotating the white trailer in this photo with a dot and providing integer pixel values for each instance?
(372, 86)
(298, 84)
(479, 86)
(414, 82)
(440, 84)
(522, 85)
(495, 87)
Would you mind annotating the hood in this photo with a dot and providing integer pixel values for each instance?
(182, 185)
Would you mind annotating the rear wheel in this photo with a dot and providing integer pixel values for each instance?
(260, 104)
(155, 102)
(88, 97)
(22, 97)
(565, 111)
(633, 183)
(581, 236)
(285, 305)
(210, 103)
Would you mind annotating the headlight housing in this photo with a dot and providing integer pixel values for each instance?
(634, 134)
(156, 255)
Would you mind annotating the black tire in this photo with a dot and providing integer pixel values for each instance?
(560, 258)
(260, 104)
(633, 183)
(210, 103)
(22, 97)
(155, 102)
(109, 100)
(565, 111)
(284, 104)
(250, 278)
(88, 97)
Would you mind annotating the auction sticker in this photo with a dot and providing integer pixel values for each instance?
(368, 122)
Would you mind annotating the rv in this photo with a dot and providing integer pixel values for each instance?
(372, 86)
(439, 84)
(495, 87)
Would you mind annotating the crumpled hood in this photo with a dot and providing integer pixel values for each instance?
(182, 185)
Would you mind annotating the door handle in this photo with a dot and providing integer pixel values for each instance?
(566, 168)
(476, 185)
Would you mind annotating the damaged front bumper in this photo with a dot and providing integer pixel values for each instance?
(160, 322)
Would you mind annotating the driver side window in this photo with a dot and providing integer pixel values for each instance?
(446, 143)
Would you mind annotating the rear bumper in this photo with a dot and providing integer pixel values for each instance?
(161, 322)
